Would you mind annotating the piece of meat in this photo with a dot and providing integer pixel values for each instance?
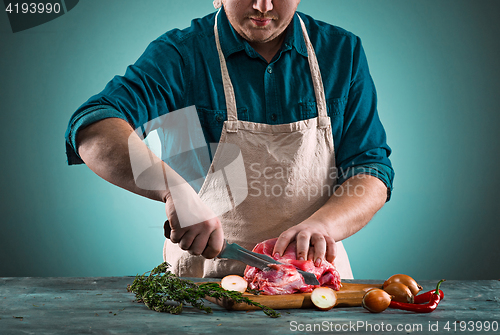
(284, 279)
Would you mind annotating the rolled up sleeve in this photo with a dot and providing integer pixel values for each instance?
(151, 87)
(363, 147)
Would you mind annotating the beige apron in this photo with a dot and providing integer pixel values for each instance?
(290, 175)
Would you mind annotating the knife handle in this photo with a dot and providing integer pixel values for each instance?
(167, 229)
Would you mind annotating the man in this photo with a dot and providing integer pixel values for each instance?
(296, 95)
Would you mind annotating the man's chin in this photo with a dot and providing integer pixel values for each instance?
(259, 36)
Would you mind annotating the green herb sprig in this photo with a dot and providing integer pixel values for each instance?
(163, 291)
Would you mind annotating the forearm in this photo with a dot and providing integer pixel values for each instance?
(105, 147)
(352, 206)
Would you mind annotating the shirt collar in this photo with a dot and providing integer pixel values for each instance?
(232, 42)
(294, 36)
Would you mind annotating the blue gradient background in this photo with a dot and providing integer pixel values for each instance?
(436, 67)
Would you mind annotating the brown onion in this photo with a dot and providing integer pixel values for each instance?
(376, 300)
(405, 280)
(399, 292)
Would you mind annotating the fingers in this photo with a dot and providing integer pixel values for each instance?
(283, 241)
(331, 249)
(311, 244)
(324, 248)
(205, 238)
(176, 235)
(172, 228)
(310, 254)
(199, 243)
(319, 243)
(311, 247)
(214, 245)
(187, 241)
(303, 239)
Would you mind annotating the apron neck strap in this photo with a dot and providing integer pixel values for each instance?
(232, 114)
(316, 76)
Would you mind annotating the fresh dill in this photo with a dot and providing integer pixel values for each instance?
(163, 291)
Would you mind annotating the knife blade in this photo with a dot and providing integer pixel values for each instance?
(236, 252)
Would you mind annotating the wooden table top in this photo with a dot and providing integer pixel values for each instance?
(102, 305)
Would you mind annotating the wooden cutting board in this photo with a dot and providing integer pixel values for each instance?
(350, 294)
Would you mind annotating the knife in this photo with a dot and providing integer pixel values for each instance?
(236, 252)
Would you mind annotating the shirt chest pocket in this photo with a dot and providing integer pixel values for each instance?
(335, 108)
(212, 120)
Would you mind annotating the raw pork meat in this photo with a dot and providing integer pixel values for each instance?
(284, 279)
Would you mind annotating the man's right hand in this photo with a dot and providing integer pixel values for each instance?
(205, 238)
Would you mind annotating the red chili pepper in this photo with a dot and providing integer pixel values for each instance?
(424, 298)
(430, 306)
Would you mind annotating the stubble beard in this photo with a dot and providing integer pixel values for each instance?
(276, 33)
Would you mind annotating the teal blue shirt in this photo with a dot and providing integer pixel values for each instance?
(181, 68)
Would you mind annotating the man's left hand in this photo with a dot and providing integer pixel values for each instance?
(313, 241)
(345, 213)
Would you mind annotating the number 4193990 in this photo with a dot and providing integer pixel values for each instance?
(478, 326)
(33, 8)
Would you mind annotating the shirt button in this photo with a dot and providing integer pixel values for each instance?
(269, 70)
(219, 118)
(274, 117)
